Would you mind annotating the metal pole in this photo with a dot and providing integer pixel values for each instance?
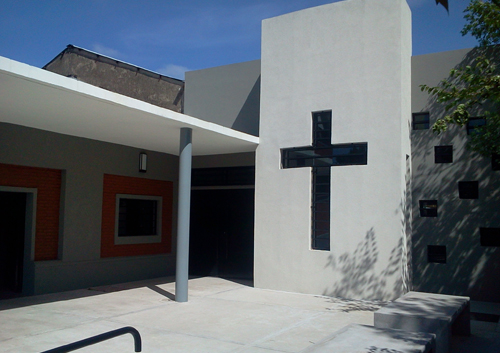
(184, 210)
(100, 338)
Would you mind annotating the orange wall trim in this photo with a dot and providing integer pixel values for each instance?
(115, 184)
(48, 184)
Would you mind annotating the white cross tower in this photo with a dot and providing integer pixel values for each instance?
(349, 60)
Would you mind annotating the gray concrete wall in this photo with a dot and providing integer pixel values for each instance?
(166, 93)
(226, 95)
(84, 162)
(352, 57)
(59, 276)
(471, 269)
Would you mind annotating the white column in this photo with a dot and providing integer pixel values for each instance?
(184, 205)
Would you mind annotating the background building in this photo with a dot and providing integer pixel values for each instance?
(118, 76)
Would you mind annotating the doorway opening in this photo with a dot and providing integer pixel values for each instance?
(12, 242)
(222, 223)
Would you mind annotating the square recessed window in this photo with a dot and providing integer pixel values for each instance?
(420, 121)
(468, 189)
(138, 219)
(436, 254)
(495, 162)
(490, 236)
(443, 154)
(428, 208)
(474, 123)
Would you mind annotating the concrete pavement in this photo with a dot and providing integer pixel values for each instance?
(220, 316)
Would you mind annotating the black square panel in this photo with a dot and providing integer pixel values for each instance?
(443, 154)
(490, 236)
(468, 189)
(495, 162)
(436, 254)
(428, 208)
(473, 124)
(420, 121)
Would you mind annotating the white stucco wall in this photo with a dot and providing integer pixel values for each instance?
(353, 58)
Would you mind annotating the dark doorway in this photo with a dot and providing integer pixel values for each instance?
(12, 229)
(221, 233)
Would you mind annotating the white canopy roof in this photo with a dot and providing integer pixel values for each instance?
(36, 98)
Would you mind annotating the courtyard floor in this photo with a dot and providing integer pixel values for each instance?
(221, 316)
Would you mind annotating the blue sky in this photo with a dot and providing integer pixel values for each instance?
(171, 36)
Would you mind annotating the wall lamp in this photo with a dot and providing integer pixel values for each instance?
(143, 162)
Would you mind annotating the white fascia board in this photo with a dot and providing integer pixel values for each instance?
(208, 132)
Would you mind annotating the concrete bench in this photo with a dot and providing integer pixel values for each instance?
(440, 314)
(368, 339)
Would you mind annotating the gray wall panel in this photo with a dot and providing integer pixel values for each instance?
(226, 95)
(84, 162)
(470, 269)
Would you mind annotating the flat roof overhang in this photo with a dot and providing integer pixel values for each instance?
(40, 99)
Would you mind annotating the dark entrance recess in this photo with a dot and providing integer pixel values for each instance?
(12, 227)
(222, 223)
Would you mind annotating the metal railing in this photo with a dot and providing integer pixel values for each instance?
(99, 338)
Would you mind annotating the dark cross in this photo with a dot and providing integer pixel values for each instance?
(321, 156)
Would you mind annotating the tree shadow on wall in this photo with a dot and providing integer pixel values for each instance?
(358, 274)
(470, 269)
(359, 277)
